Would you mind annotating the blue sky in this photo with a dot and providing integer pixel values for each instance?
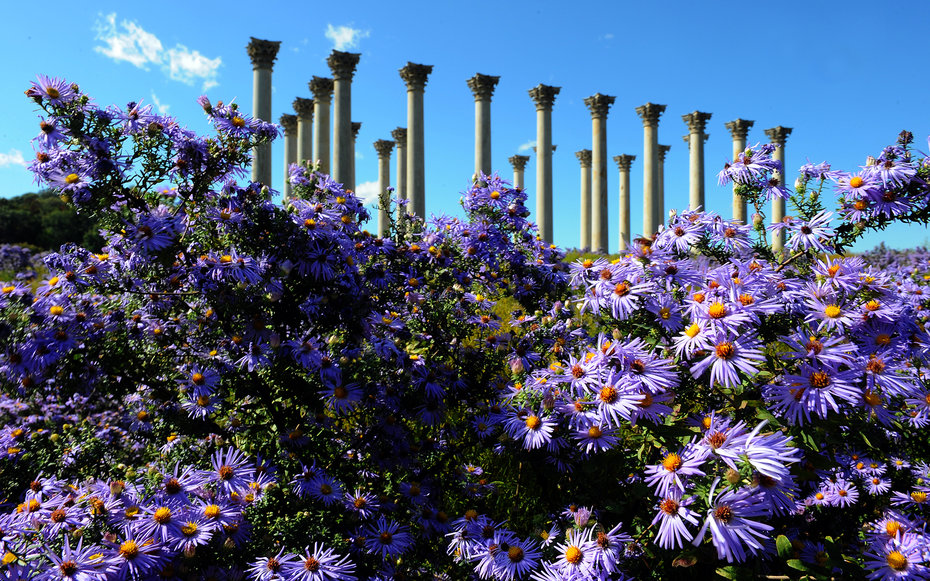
(844, 75)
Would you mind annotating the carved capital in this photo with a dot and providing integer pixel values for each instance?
(624, 162)
(518, 161)
(696, 121)
(739, 128)
(584, 157)
(663, 149)
(384, 147)
(599, 104)
(289, 123)
(544, 96)
(650, 113)
(415, 75)
(343, 64)
(322, 89)
(356, 127)
(263, 52)
(778, 134)
(482, 86)
(304, 108)
(400, 136)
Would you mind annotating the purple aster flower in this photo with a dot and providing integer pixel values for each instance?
(535, 430)
(78, 564)
(899, 558)
(363, 504)
(729, 354)
(387, 539)
(232, 471)
(732, 529)
(135, 557)
(813, 234)
(272, 568)
(672, 516)
(320, 564)
(52, 89)
(667, 475)
(578, 554)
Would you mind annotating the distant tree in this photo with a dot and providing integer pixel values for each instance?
(45, 221)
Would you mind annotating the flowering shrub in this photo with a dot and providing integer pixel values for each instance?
(238, 389)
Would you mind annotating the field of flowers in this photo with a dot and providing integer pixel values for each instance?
(235, 389)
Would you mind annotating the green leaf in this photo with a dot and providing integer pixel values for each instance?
(797, 564)
(784, 546)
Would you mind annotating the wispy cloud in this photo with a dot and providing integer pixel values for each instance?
(162, 108)
(345, 37)
(368, 192)
(14, 157)
(608, 36)
(528, 146)
(131, 43)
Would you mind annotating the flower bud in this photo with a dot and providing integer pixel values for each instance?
(516, 366)
(733, 476)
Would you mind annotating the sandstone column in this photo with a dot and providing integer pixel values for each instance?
(263, 54)
(598, 104)
(304, 109)
(739, 129)
(289, 123)
(322, 89)
(695, 139)
(663, 218)
(624, 162)
(519, 164)
(778, 136)
(415, 75)
(650, 113)
(384, 147)
(400, 191)
(544, 97)
(584, 158)
(356, 127)
(342, 65)
(482, 87)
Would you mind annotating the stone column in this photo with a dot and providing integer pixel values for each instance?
(415, 75)
(598, 105)
(384, 147)
(519, 164)
(650, 113)
(400, 191)
(695, 139)
(263, 54)
(624, 162)
(739, 129)
(304, 109)
(356, 127)
(289, 123)
(544, 97)
(322, 89)
(342, 65)
(778, 136)
(482, 87)
(584, 158)
(663, 218)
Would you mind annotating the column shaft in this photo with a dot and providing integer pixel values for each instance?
(778, 136)
(544, 172)
(650, 179)
(384, 147)
(322, 89)
(584, 156)
(415, 76)
(290, 125)
(599, 240)
(739, 129)
(519, 165)
(663, 216)
(696, 172)
(342, 64)
(624, 162)
(261, 109)
(400, 139)
(483, 136)
(304, 109)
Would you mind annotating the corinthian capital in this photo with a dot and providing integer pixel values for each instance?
(599, 104)
(322, 89)
(384, 147)
(518, 161)
(289, 123)
(482, 86)
(343, 64)
(400, 136)
(650, 113)
(739, 128)
(263, 52)
(544, 96)
(304, 108)
(356, 127)
(696, 121)
(415, 75)
(624, 162)
(778, 134)
(584, 157)
(663, 149)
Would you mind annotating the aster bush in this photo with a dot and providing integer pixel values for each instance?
(234, 388)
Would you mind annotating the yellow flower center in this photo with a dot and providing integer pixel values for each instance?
(238, 122)
(189, 529)
(495, 195)
(72, 178)
(717, 311)
(896, 561)
(832, 311)
(573, 555)
(533, 422)
(892, 528)
(725, 350)
(162, 515)
(672, 462)
(211, 511)
(594, 432)
(693, 330)
(856, 182)
(56, 311)
(665, 313)
(919, 496)
(819, 379)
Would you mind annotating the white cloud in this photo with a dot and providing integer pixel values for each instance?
(131, 43)
(14, 157)
(608, 36)
(345, 37)
(187, 66)
(528, 146)
(368, 192)
(359, 155)
(159, 106)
